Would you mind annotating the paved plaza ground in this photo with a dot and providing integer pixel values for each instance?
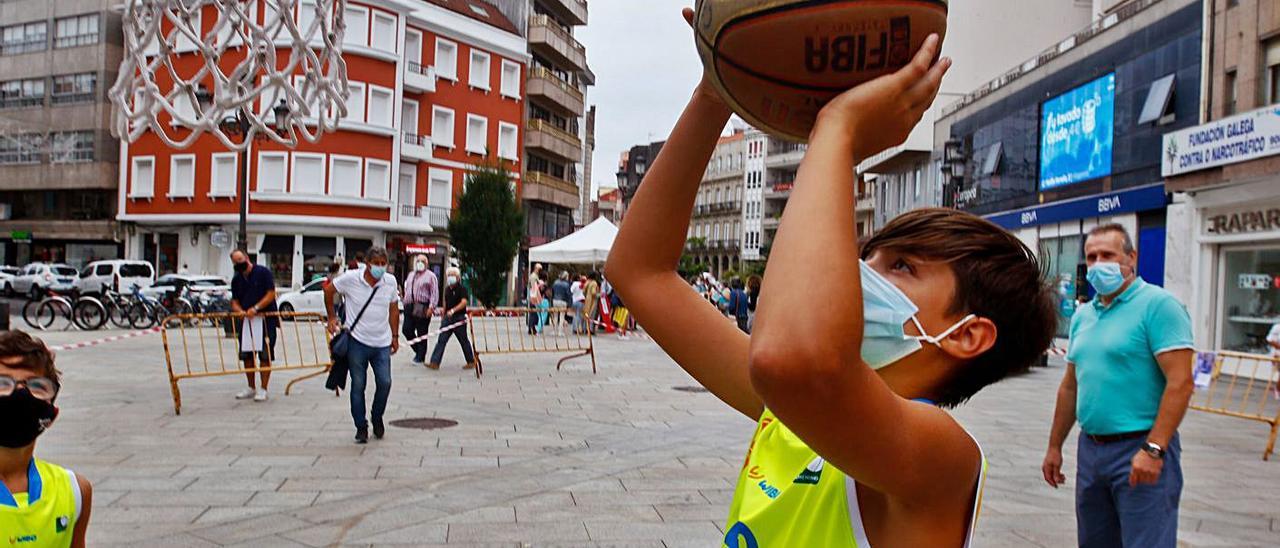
(539, 458)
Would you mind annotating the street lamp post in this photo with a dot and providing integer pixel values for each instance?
(240, 124)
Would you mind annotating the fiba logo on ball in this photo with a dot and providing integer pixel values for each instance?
(778, 62)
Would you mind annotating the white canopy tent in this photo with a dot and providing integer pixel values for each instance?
(587, 246)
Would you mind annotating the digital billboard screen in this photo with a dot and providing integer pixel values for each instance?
(1076, 132)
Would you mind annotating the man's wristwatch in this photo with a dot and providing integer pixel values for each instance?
(1154, 450)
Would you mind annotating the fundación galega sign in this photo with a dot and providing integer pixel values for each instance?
(1240, 138)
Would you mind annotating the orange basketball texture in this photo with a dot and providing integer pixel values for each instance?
(777, 62)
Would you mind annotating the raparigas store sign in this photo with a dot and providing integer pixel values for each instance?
(1240, 138)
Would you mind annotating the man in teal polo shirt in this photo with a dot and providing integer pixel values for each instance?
(1128, 382)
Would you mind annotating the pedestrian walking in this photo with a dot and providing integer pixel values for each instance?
(591, 300)
(561, 296)
(579, 300)
(753, 295)
(454, 321)
(374, 321)
(738, 305)
(1128, 383)
(253, 292)
(421, 293)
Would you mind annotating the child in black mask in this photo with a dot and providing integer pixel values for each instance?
(29, 384)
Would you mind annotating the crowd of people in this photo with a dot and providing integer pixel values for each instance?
(573, 302)
(736, 299)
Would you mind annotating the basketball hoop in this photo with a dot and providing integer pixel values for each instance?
(280, 79)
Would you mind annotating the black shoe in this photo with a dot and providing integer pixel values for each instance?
(378, 429)
(362, 435)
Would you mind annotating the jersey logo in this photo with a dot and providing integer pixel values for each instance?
(755, 473)
(812, 473)
(60, 525)
(22, 539)
(740, 536)
(769, 490)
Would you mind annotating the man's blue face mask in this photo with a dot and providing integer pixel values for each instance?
(1106, 278)
(885, 312)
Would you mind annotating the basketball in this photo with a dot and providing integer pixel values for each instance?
(777, 62)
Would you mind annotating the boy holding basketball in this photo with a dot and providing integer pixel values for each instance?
(845, 373)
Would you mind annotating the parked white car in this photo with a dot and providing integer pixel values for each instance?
(308, 299)
(6, 279)
(100, 276)
(37, 278)
(175, 282)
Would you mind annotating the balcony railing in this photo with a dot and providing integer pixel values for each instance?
(76, 40)
(575, 11)
(22, 102)
(544, 179)
(415, 139)
(68, 98)
(558, 40)
(436, 216)
(573, 97)
(25, 46)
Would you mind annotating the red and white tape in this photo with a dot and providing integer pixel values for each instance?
(1055, 351)
(104, 340)
(437, 332)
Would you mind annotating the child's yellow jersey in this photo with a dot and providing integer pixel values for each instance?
(46, 515)
(788, 496)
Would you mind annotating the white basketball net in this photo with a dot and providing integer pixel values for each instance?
(286, 61)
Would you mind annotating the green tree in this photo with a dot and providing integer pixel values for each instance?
(486, 231)
(690, 265)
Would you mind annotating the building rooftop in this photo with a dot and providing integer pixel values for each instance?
(479, 11)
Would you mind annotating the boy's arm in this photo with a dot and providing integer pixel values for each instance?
(643, 262)
(86, 506)
(817, 383)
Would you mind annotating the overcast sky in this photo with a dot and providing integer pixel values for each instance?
(645, 64)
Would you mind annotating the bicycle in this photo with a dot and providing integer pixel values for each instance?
(117, 305)
(40, 314)
(145, 312)
(88, 313)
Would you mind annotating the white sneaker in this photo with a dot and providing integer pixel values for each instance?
(260, 395)
(245, 394)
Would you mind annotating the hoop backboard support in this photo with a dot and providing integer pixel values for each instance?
(181, 81)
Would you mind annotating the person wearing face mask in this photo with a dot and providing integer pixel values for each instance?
(253, 291)
(420, 295)
(455, 313)
(1128, 383)
(41, 504)
(373, 319)
(848, 373)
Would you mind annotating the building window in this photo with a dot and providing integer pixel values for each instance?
(1159, 99)
(357, 21)
(74, 88)
(380, 106)
(440, 188)
(355, 102)
(1249, 298)
(23, 148)
(446, 59)
(377, 179)
(22, 93)
(308, 174)
(1272, 63)
(272, 169)
(222, 175)
(344, 176)
(478, 73)
(442, 127)
(508, 136)
(182, 176)
(510, 79)
(23, 38)
(71, 147)
(80, 30)
(384, 32)
(142, 184)
(1232, 93)
(477, 134)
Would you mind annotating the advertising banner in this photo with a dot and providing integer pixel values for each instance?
(1240, 138)
(1076, 133)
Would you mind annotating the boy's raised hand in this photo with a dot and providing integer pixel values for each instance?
(881, 113)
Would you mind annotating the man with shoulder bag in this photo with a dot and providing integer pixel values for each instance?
(370, 336)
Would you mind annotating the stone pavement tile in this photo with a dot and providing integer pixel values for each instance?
(320, 484)
(230, 472)
(132, 534)
(179, 498)
(222, 514)
(274, 541)
(552, 532)
(249, 529)
(333, 471)
(648, 498)
(703, 483)
(603, 485)
(228, 484)
(417, 535)
(721, 497)
(543, 500)
(142, 484)
(146, 514)
(276, 460)
(102, 471)
(327, 497)
(168, 458)
(626, 530)
(182, 539)
(385, 544)
(488, 514)
(1258, 531)
(103, 498)
(692, 512)
(292, 499)
(589, 514)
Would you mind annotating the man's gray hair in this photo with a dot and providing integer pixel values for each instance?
(1117, 228)
(375, 252)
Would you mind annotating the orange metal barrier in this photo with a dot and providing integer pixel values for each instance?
(506, 331)
(208, 345)
(1239, 385)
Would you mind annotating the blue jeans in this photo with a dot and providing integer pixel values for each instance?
(1110, 513)
(359, 358)
(578, 322)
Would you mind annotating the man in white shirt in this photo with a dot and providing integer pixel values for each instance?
(369, 294)
(1273, 341)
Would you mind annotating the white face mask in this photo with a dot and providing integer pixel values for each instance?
(885, 312)
(419, 266)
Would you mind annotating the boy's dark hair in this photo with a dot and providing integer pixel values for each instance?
(997, 277)
(35, 355)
